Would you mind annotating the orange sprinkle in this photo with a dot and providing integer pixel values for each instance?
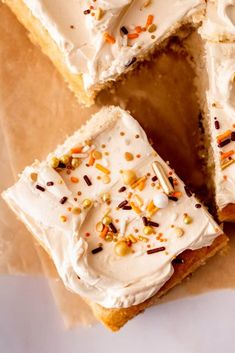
(76, 149)
(138, 29)
(150, 206)
(104, 232)
(141, 185)
(223, 136)
(91, 159)
(74, 179)
(69, 209)
(132, 35)
(102, 168)
(177, 194)
(149, 20)
(225, 177)
(226, 154)
(108, 38)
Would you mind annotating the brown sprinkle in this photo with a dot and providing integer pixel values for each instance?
(152, 251)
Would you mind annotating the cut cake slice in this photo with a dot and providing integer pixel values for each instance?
(120, 226)
(92, 43)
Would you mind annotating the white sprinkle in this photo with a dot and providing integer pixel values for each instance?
(79, 155)
(160, 200)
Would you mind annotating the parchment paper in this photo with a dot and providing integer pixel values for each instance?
(37, 111)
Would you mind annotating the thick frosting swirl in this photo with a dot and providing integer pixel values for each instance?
(45, 199)
(100, 39)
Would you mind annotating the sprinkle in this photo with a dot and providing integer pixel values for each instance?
(217, 125)
(223, 136)
(173, 198)
(141, 185)
(76, 150)
(198, 205)
(224, 143)
(34, 176)
(152, 251)
(139, 200)
(179, 232)
(80, 155)
(187, 219)
(106, 179)
(86, 203)
(113, 228)
(96, 250)
(123, 226)
(171, 180)
(128, 156)
(50, 183)
(149, 21)
(54, 162)
(102, 168)
(148, 230)
(104, 232)
(135, 208)
(233, 136)
(122, 189)
(140, 237)
(226, 154)
(188, 191)
(225, 165)
(160, 200)
(122, 204)
(145, 221)
(75, 162)
(154, 178)
(91, 160)
(63, 218)
(152, 28)
(99, 14)
(124, 30)
(76, 210)
(132, 35)
(86, 12)
(41, 188)
(150, 206)
(97, 154)
(138, 182)
(153, 224)
(108, 38)
(87, 180)
(127, 208)
(163, 180)
(132, 238)
(63, 200)
(74, 179)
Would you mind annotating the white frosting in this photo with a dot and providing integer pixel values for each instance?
(84, 47)
(219, 24)
(106, 278)
(221, 104)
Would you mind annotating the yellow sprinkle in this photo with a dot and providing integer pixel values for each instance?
(138, 181)
(63, 218)
(140, 237)
(135, 208)
(150, 206)
(132, 238)
(141, 186)
(106, 179)
(34, 176)
(153, 211)
(139, 200)
(227, 164)
(102, 168)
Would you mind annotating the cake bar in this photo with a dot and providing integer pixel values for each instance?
(118, 223)
(92, 43)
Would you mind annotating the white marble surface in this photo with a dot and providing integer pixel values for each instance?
(30, 323)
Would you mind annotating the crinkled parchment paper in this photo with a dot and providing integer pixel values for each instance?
(37, 111)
